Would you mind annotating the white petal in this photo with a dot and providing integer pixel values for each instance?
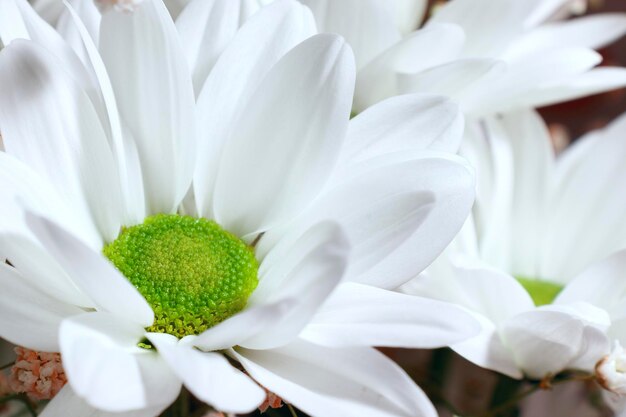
(314, 265)
(404, 123)
(22, 188)
(541, 78)
(67, 403)
(529, 138)
(18, 20)
(378, 79)
(408, 13)
(399, 213)
(41, 270)
(544, 342)
(206, 28)
(360, 315)
(589, 178)
(58, 133)
(92, 273)
(209, 376)
(322, 381)
(256, 48)
(473, 286)
(487, 350)
(12, 26)
(28, 316)
(122, 143)
(595, 32)
(451, 79)
(106, 368)
(367, 25)
(152, 83)
(598, 80)
(89, 16)
(288, 138)
(602, 284)
(247, 324)
(489, 25)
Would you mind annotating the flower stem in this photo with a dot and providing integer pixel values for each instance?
(292, 410)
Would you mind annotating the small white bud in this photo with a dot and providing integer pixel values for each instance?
(125, 6)
(611, 371)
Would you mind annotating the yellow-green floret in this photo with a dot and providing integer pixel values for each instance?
(193, 273)
(542, 292)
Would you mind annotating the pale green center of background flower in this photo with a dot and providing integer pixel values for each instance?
(193, 273)
(542, 292)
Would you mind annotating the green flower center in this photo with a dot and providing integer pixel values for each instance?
(542, 292)
(193, 273)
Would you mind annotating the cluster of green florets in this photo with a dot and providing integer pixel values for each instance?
(542, 292)
(192, 272)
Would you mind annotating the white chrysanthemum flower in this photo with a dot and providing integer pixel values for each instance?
(540, 223)
(140, 299)
(489, 55)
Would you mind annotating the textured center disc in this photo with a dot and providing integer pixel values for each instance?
(192, 272)
(542, 292)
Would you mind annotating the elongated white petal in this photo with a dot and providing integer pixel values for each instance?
(92, 273)
(67, 403)
(28, 316)
(588, 179)
(12, 26)
(451, 79)
(209, 376)
(288, 139)
(403, 123)
(90, 19)
(598, 80)
(58, 133)
(529, 140)
(360, 315)
(18, 20)
(121, 141)
(399, 212)
(378, 79)
(487, 350)
(255, 49)
(247, 324)
(322, 381)
(481, 20)
(472, 286)
(24, 189)
(314, 265)
(541, 78)
(546, 342)
(367, 25)
(595, 32)
(206, 28)
(408, 13)
(154, 93)
(601, 284)
(106, 368)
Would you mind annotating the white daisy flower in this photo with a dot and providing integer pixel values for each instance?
(140, 299)
(540, 224)
(489, 55)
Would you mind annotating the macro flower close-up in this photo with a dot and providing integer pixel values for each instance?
(292, 208)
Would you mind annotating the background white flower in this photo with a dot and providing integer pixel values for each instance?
(489, 55)
(549, 222)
